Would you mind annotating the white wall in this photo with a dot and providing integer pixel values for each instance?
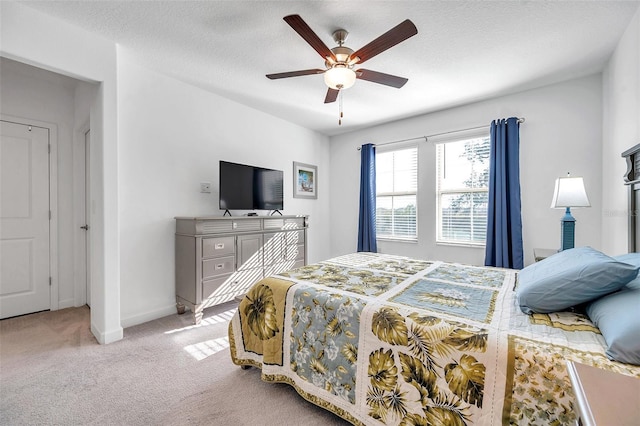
(171, 137)
(621, 131)
(562, 133)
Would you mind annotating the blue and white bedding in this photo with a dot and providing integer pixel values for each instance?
(387, 340)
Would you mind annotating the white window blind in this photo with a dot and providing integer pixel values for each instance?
(463, 190)
(396, 189)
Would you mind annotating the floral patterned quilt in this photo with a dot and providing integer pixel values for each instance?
(387, 340)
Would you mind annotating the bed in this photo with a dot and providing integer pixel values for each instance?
(382, 339)
(387, 340)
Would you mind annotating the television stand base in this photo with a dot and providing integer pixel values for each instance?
(276, 211)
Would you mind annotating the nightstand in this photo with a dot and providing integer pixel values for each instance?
(604, 398)
(541, 253)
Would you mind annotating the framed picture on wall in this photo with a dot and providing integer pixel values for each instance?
(305, 180)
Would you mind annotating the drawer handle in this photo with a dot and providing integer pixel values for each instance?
(219, 266)
(219, 246)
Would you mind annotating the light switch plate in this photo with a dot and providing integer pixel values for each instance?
(205, 187)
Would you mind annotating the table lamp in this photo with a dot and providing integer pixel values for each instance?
(569, 193)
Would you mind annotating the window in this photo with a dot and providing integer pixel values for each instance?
(463, 190)
(396, 188)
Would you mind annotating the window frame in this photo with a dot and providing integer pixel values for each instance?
(458, 137)
(386, 150)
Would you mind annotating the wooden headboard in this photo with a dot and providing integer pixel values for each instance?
(632, 180)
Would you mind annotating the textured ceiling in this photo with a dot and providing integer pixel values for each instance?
(464, 50)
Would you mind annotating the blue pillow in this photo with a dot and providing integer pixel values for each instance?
(632, 259)
(617, 317)
(570, 278)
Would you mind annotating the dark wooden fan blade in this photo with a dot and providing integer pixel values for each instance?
(301, 27)
(381, 78)
(395, 35)
(294, 74)
(332, 95)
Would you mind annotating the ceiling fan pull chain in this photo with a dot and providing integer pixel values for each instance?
(340, 106)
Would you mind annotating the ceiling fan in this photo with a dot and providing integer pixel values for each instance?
(339, 72)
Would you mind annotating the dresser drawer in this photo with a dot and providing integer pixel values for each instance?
(218, 266)
(209, 287)
(295, 222)
(247, 225)
(216, 247)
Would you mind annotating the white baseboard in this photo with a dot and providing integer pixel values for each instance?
(102, 337)
(107, 337)
(143, 317)
(67, 303)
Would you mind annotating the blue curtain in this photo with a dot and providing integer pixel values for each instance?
(367, 221)
(504, 222)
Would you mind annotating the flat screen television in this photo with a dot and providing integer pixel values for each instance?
(244, 187)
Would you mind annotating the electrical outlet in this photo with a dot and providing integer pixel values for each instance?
(205, 187)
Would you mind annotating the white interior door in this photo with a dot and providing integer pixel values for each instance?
(24, 219)
(87, 215)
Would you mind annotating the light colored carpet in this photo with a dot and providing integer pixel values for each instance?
(164, 372)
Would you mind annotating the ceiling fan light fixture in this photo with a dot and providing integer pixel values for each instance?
(339, 77)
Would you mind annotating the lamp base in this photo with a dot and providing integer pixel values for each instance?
(567, 230)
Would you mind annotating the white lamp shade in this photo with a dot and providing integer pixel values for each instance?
(339, 78)
(570, 192)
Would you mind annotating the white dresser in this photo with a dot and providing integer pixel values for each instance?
(219, 258)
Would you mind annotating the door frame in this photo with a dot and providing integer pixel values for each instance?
(52, 129)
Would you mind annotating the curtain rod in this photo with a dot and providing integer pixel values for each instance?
(520, 121)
